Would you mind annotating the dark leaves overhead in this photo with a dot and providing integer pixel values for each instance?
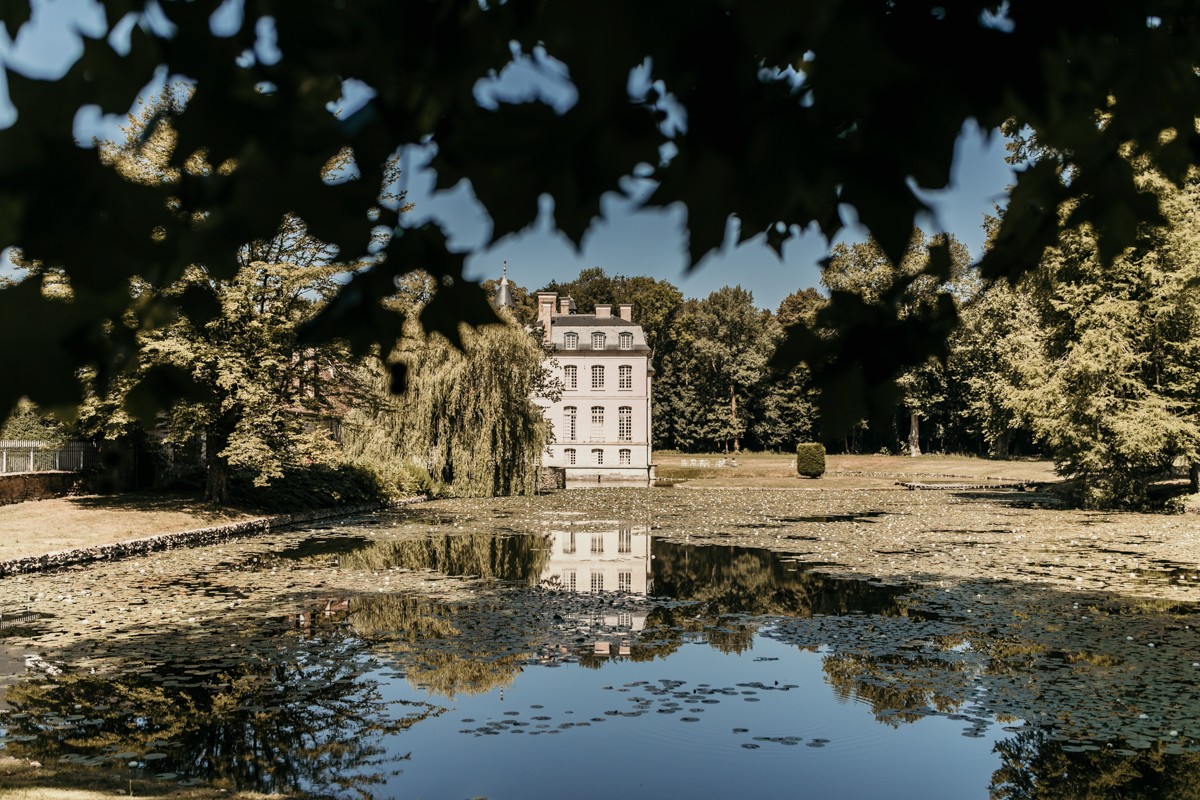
(783, 112)
(14, 14)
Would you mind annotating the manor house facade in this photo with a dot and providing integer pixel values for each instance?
(602, 420)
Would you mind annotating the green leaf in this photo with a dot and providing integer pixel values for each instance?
(14, 14)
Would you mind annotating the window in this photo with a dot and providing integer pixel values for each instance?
(597, 377)
(597, 424)
(625, 541)
(598, 457)
(598, 543)
(568, 580)
(569, 432)
(624, 377)
(625, 456)
(625, 424)
(625, 581)
(569, 543)
(597, 341)
(571, 377)
(570, 341)
(597, 581)
(569, 453)
(626, 340)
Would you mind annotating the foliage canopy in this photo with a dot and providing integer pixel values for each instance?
(836, 103)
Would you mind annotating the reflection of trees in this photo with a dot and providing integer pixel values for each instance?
(754, 581)
(1035, 767)
(724, 588)
(509, 558)
(402, 617)
(667, 628)
(450, 674)
(895, 686)
(1072, 671)
(307, 721)
(413, 628)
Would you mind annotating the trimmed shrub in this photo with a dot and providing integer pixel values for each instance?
(810, 460)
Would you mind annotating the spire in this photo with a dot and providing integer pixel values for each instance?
(503, 293)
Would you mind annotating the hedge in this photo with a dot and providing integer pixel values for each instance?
(810, 460)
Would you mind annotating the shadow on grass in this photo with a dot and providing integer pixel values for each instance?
(185, 502)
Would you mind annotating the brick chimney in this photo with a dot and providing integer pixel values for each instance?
(625, 310)
(545, 312)
(566, 306)
(603, 311)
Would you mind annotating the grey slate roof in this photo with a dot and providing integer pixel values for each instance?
(591, 321)
(503, 295)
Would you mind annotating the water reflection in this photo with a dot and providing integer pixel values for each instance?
(309, 719)
(286, 677)
(756, 581)
(597, 558)
(1036, 765)
(518, 558)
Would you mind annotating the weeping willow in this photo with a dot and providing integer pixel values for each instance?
(467, 420)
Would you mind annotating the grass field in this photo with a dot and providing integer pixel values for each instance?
(47, 526)
(37, 527)
(778, 470)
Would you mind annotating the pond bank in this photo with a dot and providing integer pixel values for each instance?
(611, 617)
(87, 550)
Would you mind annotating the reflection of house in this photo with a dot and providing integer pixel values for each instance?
(602, 421)
(613, 559)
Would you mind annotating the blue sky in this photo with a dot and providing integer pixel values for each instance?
(651, 242)
(624, 240)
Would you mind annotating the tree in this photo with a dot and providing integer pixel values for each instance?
(786, 412)
(27, 423)
(926, 283)
(1113, 387)
(254, 397)
(712, 370)
(990, 355)
(816, 131)
(467, 420)
(261, 395)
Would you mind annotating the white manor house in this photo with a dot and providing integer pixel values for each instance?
(601, 422)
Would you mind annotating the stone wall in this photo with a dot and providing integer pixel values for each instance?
(16, 487)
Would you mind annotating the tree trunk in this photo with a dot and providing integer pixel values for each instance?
(1002, 444)
(1194, 477)
(733, 418)
(216, 439)
(914, 433)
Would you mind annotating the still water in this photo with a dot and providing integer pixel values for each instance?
(420, 654)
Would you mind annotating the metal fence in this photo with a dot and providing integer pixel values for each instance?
(36, 456)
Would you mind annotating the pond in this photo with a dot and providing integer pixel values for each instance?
(633, 642)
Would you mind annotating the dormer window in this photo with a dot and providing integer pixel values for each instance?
(626, 340)
(597, 341)
(571, 341)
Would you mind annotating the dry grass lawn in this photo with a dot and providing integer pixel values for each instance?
(47, 526)
(778, 471)
(38, 527)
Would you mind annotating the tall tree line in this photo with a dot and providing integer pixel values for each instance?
(1093, 363)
